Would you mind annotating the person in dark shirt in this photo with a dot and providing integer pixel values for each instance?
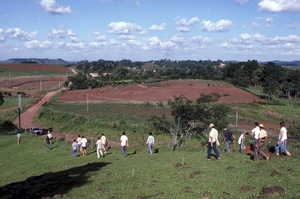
(228, 138)
(48, 141)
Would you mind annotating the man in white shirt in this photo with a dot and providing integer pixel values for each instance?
(281, 140)
(99, 147)
(124, 143)
(254, 133)
(49, 135)
(83, 145)
(212, 142)
(241, 141)
(104, 143)
(79, 142)
(150, 142)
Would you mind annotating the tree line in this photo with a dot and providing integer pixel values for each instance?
(274, 79)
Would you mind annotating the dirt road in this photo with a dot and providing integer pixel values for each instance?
(28, 117)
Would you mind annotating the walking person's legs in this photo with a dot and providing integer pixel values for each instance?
(261, 151)
(227, 143)
(216, 150)
(209, 151)
(74, 153)
(150, 148)
(123, 151)
(255, 153)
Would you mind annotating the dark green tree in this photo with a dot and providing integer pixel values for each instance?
(1, 98)
(272, 76)
(190, 118)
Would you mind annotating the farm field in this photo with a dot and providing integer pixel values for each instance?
(32, 78)
(161, 92)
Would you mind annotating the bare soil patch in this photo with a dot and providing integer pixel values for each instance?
(161, 92)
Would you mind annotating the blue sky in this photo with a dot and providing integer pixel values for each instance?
(142, 30)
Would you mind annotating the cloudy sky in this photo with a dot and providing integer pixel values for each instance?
(142, 30)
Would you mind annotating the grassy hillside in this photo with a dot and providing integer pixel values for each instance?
(31, 171)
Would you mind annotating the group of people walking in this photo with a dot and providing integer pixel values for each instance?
(259, 135)
(80, 144)
(102, 145)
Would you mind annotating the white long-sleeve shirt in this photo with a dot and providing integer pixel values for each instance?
(150, 140)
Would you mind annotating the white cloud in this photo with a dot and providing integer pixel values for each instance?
(240, 2)
(269, 20)
(293, 26)
(183, 24)
(182, 29)
(247, 38)
(113, 42)
(225, 45)
(276, 42)
(290, 38)
(98, 37)
(154, 41)
(2, 35)
(219, 26)
(96, 44)
(155, 27)
(138, 3)
(62, 32)
(168, 45)
(74, 39)
(38, 45)
(178, 39)
(289, 46)
(279, 5)
(79, 45)
(124, 28)
(52, 7)
(127, 37)
(133, 43)
(17, 33)
(187, 22)
(255, 25)
(201, 40)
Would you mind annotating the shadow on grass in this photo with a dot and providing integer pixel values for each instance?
(50, 184)
(8, 128)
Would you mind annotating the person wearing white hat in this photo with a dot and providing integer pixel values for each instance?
(260, 144)
(212, 142)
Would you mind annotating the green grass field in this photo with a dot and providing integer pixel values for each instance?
(29, 170)
(10, 102)
(6, 72)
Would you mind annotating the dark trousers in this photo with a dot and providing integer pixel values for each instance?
(259, 150)
(209, 148)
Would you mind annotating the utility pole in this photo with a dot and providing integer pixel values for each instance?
(236, 116)
(19, 107)
(87, 102)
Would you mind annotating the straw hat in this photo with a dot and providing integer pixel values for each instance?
(261, 125)
(211, 125)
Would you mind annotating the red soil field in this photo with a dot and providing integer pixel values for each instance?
(161, 92)
(31, 85)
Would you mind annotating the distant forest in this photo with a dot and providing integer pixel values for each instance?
(275, 79)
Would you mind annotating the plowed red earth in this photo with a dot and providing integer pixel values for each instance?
(161, 92)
